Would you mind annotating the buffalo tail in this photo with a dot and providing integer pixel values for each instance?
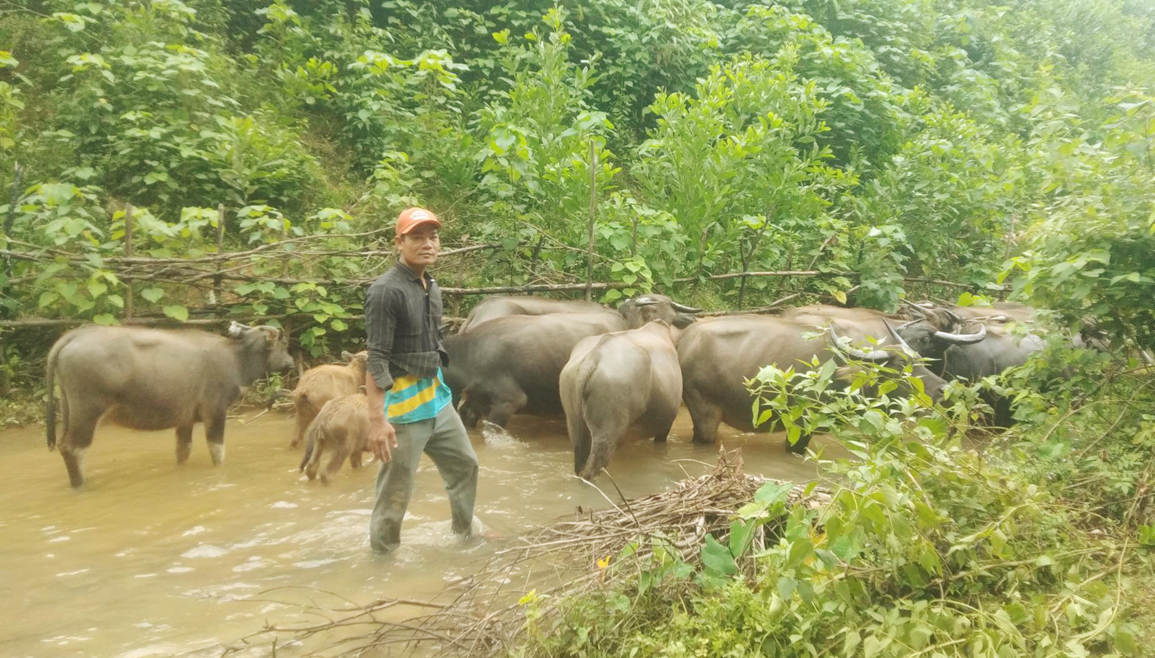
(579, 431)
(312, 436)
(50, 407)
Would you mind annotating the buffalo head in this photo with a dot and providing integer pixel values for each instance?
(267, 345)
(640, 310)
(896, 356)
(928, 333)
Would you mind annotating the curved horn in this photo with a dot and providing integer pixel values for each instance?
(963, 339)
(685, 309)
(920, 311)
(898, 339)
(854, 352)
(644, 301)
(952, 316)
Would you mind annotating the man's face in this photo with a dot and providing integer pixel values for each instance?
(420, 245)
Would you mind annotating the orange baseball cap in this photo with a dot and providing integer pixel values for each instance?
(412, 217)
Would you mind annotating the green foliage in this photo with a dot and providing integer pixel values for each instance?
(925, 546)
(1090, 252)
(744, 145)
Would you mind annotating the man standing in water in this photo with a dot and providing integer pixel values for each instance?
(409, 403)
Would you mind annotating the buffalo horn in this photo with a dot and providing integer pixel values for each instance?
(963, 339)
(894, 334)
(916, 308)
(686, 309)
(854, 352)
(645, 301)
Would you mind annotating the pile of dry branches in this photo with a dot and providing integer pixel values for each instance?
(556, 563)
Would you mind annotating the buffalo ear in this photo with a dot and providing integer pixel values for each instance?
(236, 329)
(683, 320)
(347, 356)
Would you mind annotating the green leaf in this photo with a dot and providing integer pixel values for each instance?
(773, 492)
(106, 319)
(717, 558)
(338, 325)
(152, 294)
(176, 312)
(850, 643)
(97, 288)
(800, 549)
(47, 298)
(786, 588)
(741, 533)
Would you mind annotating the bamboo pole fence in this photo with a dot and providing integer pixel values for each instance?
(208, 273)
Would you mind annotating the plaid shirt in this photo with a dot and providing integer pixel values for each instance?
(403, 323)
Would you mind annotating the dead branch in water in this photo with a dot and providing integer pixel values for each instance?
(593, 550)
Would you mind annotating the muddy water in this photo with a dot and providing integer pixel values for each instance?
(152, 559)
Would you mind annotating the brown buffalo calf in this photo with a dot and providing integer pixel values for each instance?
(342, 427)
(323, 383)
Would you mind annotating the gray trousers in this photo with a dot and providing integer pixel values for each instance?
(443, 438)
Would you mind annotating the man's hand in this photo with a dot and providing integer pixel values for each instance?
(382, 438)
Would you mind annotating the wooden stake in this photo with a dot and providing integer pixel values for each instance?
(593, 215)
(128, 254)
(220, 250)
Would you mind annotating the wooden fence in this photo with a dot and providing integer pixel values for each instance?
(209, 272)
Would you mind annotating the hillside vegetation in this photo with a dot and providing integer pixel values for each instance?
(962, 149)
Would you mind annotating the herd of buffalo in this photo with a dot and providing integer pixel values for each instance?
(606, 369)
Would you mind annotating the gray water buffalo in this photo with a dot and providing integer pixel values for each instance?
(150, 379)
(323, 383)
(492, 308)
(718, 356)
(999, 351)
(640, 310)
(637, 311)
(950, 317)
(512, 364)
(926, 336)
(341, 428)
(616, 381)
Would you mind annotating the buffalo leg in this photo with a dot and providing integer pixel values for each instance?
(470, 413)
(510, 402)
(303, 420)
(663, 433)
(81, 425)
(215, 435)
(355, 458)
(340, 452)
(183, 443)
(315, 460)
(706, 419)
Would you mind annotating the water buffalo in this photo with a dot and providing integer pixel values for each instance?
(718, 356)
(342, 427)
(640, 310)
(637, 311)
(926, 336)
(323, 383)
(950, 317)
(512, 364)
(152, 379)
(492, 308)
(617, 380)
(971, 362)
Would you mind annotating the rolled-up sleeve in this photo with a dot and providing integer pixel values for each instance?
(380, 321)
